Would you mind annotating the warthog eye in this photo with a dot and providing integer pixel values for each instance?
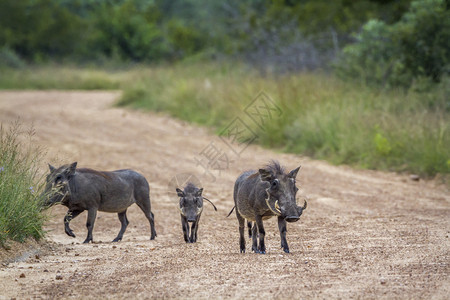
(58, 178)
(275, 184)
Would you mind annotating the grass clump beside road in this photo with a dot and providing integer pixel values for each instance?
(321, 116)
(21, 215)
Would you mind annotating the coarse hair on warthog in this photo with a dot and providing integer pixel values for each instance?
(260, 195)
(83, 189)
(191, 208)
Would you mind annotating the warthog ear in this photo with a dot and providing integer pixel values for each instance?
(199, 192)
(71, 169)
(294, 172)
(180, 192)
(52, 168)
(265, 175)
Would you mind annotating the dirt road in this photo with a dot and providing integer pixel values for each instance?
(365, 234)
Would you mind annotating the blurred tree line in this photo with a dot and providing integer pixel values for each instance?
(273, 35)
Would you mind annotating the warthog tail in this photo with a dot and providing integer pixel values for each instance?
(231, 211)
(211, 203)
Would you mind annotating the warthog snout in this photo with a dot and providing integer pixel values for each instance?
(296, 216)
(292, 218)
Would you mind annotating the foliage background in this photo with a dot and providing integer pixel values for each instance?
(142, 30)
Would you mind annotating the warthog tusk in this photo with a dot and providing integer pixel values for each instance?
(181, 211)
(277, 207)
(268, 205)
(304, 205)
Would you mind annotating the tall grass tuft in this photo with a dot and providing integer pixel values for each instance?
(21, 214)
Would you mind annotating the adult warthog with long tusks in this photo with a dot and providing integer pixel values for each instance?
(191, 207)
(83, 189)
(260, 195)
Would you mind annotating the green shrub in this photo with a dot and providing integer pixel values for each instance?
(20, 186)
(10, 59)
(414, 49)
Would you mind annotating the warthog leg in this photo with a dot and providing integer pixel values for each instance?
(262, 233)
(71, 214)
(194, 230)
(92, 214)
(124, 222)
(249, 225)
(185, 226)
(152, 226)
(241, 221)
(146, 209)
(282, 228)
(193, 237)
(254, 237)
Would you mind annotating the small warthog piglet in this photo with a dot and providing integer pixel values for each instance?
(191, 207)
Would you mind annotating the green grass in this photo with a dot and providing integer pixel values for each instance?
(20, 186)
(322, 117)
(59, 78)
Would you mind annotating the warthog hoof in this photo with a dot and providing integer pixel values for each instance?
(70, 233)
(261, 251)
(242, 251)
(286, 250)
(117, 239)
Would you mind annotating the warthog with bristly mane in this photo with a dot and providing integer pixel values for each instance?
(260, 195)
(83, 189)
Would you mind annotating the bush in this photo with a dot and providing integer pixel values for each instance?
(413, 49)
(10, 59)
(20, 186)
(39, 29)
(128, 31)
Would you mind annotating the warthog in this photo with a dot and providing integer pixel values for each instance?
(191, 207)
(83, 189)
(260, 195)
